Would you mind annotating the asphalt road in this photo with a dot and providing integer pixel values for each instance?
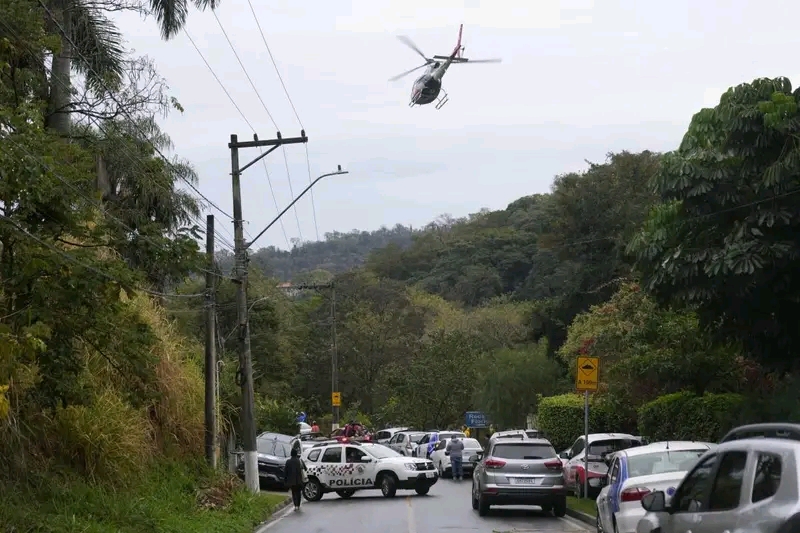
(446, 509)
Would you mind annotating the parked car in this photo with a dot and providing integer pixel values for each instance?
(384, 436)
(749, 482)
(519, 472)
(516, 434)
(635, 472)
(274, 449)
(600, 445)
(405, 442)
(428, 442)
(473, 452)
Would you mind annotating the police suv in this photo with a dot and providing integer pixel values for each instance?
(346, 466)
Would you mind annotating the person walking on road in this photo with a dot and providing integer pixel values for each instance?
(295, 477)
(455, 447)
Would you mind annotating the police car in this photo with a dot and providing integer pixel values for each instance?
(346, 466)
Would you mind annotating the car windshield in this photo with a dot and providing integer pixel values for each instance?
(381, 452)
(661, 462)
(600, 448)
(450, 435)
(471, 444)
(416, 437)
(523, 450)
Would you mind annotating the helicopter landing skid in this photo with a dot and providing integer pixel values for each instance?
(443, 99)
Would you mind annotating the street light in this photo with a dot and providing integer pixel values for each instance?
(338, 172)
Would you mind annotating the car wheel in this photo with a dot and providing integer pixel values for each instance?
(345, 493)
(560, 507)
(598, 525)
(483, 506)
(422, 491)
(388, 485)
(312, 490)
(474, 495)
(578, 488)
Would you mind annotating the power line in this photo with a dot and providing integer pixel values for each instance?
(255, 89)
(95, 122)
(247, 121)
(294, 109)
(76, 49)
(106, 275)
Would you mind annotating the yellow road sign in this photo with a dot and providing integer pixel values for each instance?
(588, 371)
(336, 399)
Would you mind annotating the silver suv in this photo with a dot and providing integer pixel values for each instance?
(751, 481)
(520, 472)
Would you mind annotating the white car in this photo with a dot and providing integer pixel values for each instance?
(636, 472)
(345, 467)
(522, 434)
(405, 442)
(441, 459)
(384, 436)
(427, 443)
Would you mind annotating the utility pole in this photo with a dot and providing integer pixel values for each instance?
(247, 419)
(211, 350)
(334, 362)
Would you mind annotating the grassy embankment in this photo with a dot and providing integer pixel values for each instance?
(582, 504)
(173, 498)
(127, 455)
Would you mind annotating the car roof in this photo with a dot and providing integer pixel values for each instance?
(760, 443)
(276, 436)
(673, 446)
(545, 442)
(766, 430)
(594, 437)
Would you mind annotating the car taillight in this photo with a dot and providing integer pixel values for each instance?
(555, 464)
(634, 494)
(494, 463)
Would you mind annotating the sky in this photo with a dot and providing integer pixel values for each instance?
(578, 79)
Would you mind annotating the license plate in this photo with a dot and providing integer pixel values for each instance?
(430, 474)
(524, 481)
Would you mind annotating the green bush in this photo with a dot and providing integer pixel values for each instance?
(687, 416)
(561, 418)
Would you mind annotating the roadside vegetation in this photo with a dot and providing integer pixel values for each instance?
(677, 270)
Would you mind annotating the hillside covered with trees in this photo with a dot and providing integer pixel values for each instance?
(677, 270)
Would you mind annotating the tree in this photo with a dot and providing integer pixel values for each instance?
(725, 237)
(509, 382)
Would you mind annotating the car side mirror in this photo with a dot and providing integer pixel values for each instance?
(655, 502)
(607, 460)
(366, 459)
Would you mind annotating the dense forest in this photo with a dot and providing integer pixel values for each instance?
(338, 253)
(677, 270)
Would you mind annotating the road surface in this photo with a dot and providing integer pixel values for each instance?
(446, 509)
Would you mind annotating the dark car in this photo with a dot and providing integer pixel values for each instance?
(274, 449)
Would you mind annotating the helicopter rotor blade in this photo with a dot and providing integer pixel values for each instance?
(479, 61)
(408, 42)
(406, 73)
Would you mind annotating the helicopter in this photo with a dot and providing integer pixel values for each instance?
(428, 87)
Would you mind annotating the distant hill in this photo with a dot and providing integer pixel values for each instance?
(338, 253)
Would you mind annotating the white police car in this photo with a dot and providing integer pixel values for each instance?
(347, 466)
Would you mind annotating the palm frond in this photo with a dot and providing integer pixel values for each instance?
(100, 51)
(171, 16)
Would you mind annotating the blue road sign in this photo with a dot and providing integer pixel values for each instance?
(476, 419)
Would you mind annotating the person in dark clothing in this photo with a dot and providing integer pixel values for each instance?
(293, 479)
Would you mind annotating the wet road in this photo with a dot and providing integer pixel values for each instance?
(446, 509)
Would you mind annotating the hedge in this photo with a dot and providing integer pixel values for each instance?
(561, 418)
(687, 416)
